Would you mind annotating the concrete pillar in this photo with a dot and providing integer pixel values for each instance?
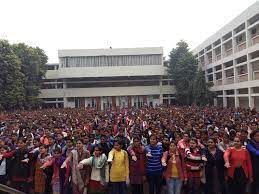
(236, 98)
(161, 91)
(224, 99)
(65, 102)
(251, 98)
(215, 102)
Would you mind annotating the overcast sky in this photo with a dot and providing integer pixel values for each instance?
(86, 24)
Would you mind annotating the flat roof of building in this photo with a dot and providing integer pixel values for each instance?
(247, 14)
(110, 52)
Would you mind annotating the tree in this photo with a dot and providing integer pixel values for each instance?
(182, 70)
(201, 93)
(11, 78)
(33, 66)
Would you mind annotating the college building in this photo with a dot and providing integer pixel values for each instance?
(230, 61)
(107, 78)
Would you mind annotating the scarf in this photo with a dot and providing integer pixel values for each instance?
(100, 163)
(76, 176)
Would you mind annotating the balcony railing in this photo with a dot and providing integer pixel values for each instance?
(230, 80)
(241, 46)
(219, 82)
(256, 75)
(243, 77)
(229, 52)
(255, 39)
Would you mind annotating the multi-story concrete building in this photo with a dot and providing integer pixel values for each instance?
(230, 60)
(104, 78)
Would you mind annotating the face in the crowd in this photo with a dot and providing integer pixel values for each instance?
(225, 139)
(97, 151)
(136, 142)
(36, 143)
(2, 151)
(153, 141)
(256, 137)
(59, 137)
(103, 140)
(117, 146)
(193, 144)
(57, 154)
(69, 143)
(185, 137)
(198, 134)
(51, 141)
(166, 141)
(211, 143)
(43, 150)
(79, 144)
(21, 144)
(172, 147)
(237, 142)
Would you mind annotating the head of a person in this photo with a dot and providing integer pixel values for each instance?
(243, 134)
(103, 139)
(173, 146)
(136, 141)
(79, 144)
(60, 137)
(212, 142)
(186, 136)
(117, 145)
(237, 142)
(225, 138)
(57, 152)
(166, 140)
(255, 135)
(69, 142)
(198, 134)
(21, 143)
(193, 143)
(153, 140)
(3, 149)
(36, 142)
(51, 140)
(97, 150)
(43, 149)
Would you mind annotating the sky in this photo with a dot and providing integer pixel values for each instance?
(92, 24)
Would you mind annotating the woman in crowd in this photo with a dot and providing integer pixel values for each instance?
(253, 148)
(119, 172)
(137, 165)
(238, 162)
(60, 176)
(214, 169)
(80, 177)
(175, 172)
(194, 165)
(40, 176)
(154, 169)
(99, 177)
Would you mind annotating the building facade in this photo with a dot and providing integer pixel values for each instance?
(105, 78)
(230, 60)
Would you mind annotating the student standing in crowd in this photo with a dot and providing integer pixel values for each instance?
(154, 169)
(238, 162)
(99, 177)
(175, 172)
(119, 172)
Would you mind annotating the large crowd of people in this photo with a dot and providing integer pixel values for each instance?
(148, 150)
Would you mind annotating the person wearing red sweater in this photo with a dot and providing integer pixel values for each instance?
(239, 167)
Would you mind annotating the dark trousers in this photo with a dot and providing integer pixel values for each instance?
(155, 183)
(137, 189)
(118, 187)
(237, 184)
(21, 186)
(194, 185)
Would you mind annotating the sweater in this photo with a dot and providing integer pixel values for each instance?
(238, 158)
(153, 163)
(119, 171)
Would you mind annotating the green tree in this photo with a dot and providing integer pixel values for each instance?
(182, 70)
(12, 94)
(201, 90)
(33, 66)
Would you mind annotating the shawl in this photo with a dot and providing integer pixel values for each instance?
(100, 163)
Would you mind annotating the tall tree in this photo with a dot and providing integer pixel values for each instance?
(182, 69)
(11, 78)
(33, 66)
(201, 93)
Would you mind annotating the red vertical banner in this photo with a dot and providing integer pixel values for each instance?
(82, 102)
(129, 102)
(113, 101)
(98, 103)
(145, 100)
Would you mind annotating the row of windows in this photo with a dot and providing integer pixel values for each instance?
(100, 61)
